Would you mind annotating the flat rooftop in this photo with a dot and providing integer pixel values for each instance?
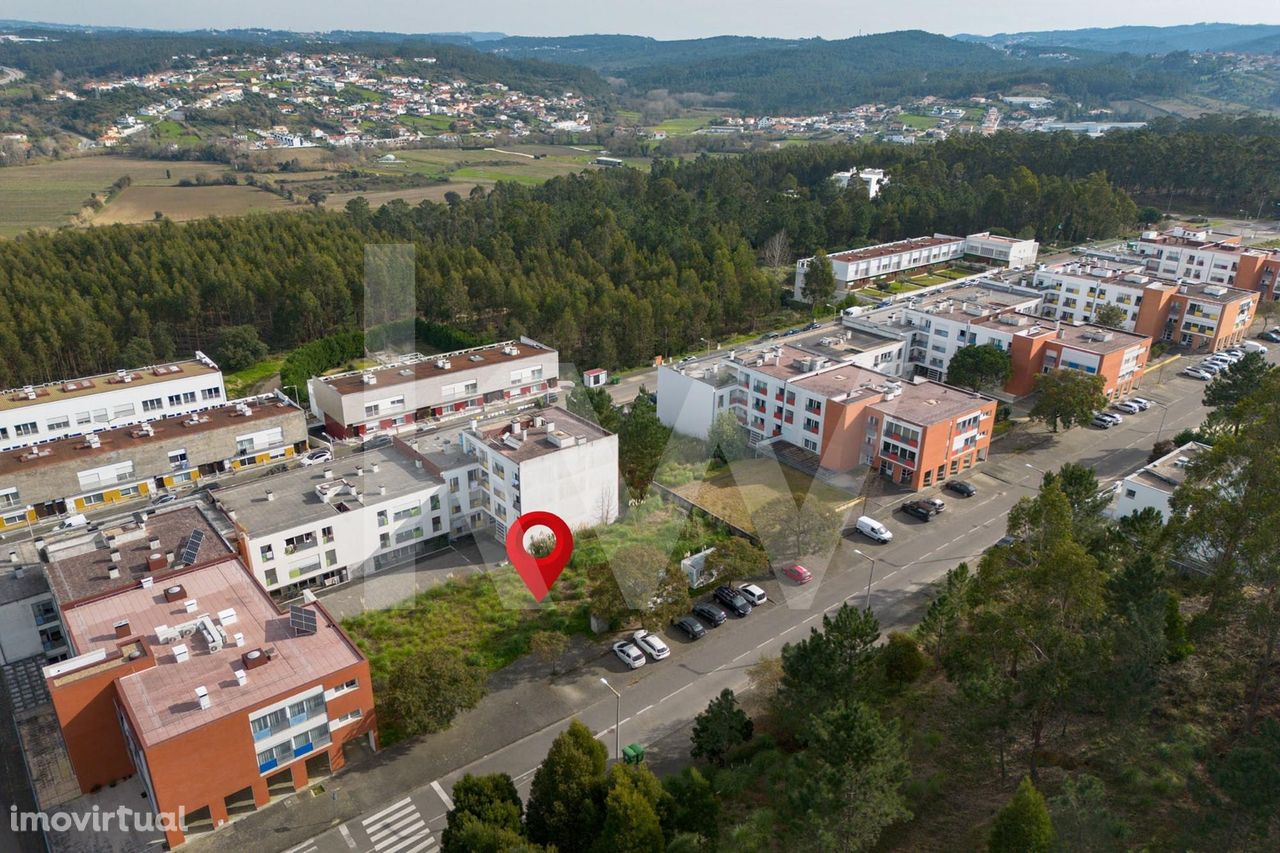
(1084, 336)
(881, 250)
(1206, 292)
(1168, 472)
(69, 389)
(845, 381)
(925, 403)
(295, 500)
(418, 367)
(168, 432)
(162, 697)
(558, 429)
(970, 302)
(79, 564)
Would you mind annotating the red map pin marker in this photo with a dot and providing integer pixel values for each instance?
(539, 573)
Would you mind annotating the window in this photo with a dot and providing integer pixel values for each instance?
(60, 422)
(51, 638)
(436, 525)
(9, 497)
(371, 410)
(384, 540)
(348, 717)
(125, 411)
(25, 429)
(92, 500)
(382, 518)
(178, 459)
(214, 393)
(395, 402)
(301, 542)
(152, 405)
(44, 612)
(408, 512)
(435, 502)
(326, 535)
(350, 684)
(330, 557)
(101, 416)
(82, 418)
(1130, 493)
(270, 578)
(810, 444)
(408, 535)
(268, 553)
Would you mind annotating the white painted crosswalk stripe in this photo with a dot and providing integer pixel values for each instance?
(399, 828)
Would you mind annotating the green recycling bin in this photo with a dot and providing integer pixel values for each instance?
(632, 753)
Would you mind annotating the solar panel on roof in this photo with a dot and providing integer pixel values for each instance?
(192, 548)
(301, 620)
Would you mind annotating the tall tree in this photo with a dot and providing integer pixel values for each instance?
(491, 800)
(846, 788)
(819, 281)
(984, 367)
(726, 439)
(424, 692)
(832, 662)
(565, 806)
(1067, 398)
(1111, 316)
(1227, 391)
(720, 728)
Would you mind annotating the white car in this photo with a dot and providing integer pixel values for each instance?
(1141, 402)
(628, 654)
(1109, 416)
(1129, 407)
(651, 643)
(872, 529)
(317, 457)
(1197, 373)
(753, 594)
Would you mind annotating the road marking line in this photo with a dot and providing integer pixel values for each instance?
(388, 809)
(397, 829)
(642, 710)
(444, 798)
(401, 847)
(346, 836)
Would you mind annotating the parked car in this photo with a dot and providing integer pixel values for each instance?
(872, 529)
(768, 336)
(918, 509)
(813, 325)
(690, 627)
(276, 469)
(376, 442)
(1240, 353)
(1197, 373)
(798, 573)
(71, 522)
(1254, 346)
(651, 644)
(753, 594)
(1101, 423)
(935, 504)
(1004, 542)
(1128, 406)
(1141, 402)
(710, 613)
(1111, 416)
(164, 499)
(317, 457)
(732, 600)
(628, 654)
(960, 487)
(790, 332)
(1272, 335)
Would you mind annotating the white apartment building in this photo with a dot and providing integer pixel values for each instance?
(691, 394)
(30, 623)
(553, 461)
(874, 179)
(416, 388)
(328, 524)
(1191, 254)
(38, 413)
(1009, 251)
(857, 267)
(1153, 485)
(1074, 291)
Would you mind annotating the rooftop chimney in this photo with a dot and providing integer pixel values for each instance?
(270, 495)
(180, 653)
(382, 490)
(115, 555)
(202, 696)
(122, 629)
(189, 605)
(242, 678)
(328, 473)
(374, 467)
(113, 573)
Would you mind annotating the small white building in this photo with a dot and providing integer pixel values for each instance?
(1008, 251)
(595, 378)
(874, 179)
(1153, 485)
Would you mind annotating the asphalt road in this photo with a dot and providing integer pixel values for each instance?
(661, 697)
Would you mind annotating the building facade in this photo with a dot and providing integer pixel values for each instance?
(135, 462)
(1152, 485)
(1196, 256)
(40, 413)
(552, 461)
(1006, 251)
(463, 384)
(856, 268)
(202, 687)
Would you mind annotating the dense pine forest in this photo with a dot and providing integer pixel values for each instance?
(686, 250)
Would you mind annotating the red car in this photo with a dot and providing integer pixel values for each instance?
(798, 573)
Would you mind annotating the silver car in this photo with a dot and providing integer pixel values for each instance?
(628, 654)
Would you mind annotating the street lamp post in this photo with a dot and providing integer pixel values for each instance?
(870, 577)
(617, 724)
(1164, 413)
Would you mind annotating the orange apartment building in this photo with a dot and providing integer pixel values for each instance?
(1119, 357)
(1194, 255)
(1201, 316)
(190, 677)
(915, 433)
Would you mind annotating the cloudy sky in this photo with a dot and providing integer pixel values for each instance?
(659, 18)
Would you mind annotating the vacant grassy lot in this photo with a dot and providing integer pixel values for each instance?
(918, 122)
(750, 484)
(243, 381)
(684, 125)
(139, 204)
(49, 195)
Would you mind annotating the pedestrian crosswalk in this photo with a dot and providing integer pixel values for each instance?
(399, 828)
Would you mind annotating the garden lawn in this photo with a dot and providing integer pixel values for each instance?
(750, 484)
(242, 381)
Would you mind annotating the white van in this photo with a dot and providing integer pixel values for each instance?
(872, 529)
(73, 521)
(1253, 346)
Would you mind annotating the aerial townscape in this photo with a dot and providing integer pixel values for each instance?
(420, 441)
